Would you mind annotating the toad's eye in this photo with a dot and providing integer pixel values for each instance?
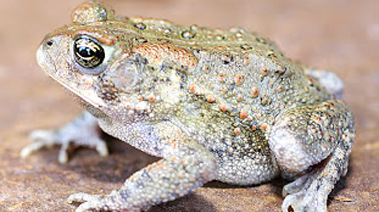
(88, 52)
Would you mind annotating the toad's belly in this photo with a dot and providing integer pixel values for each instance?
(244, 170)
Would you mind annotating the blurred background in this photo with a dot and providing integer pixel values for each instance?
(338, 35)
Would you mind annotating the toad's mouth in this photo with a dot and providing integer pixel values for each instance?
(81, 86)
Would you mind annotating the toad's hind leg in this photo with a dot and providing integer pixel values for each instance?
(312, 144)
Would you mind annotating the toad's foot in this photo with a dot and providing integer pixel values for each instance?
(316, 138)
(83, 131)
(99, 202)
(310, 192)
(306, 194)
(329, 80)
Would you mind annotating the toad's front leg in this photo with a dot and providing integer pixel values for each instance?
(186, 166)
(312, 144)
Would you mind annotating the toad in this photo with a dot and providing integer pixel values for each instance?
(213, 104)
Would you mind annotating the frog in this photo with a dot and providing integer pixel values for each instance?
(212, 104)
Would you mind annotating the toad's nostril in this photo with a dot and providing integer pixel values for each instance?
(49, 43)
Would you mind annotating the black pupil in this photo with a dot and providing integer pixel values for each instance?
(88, 52)
(85, 52)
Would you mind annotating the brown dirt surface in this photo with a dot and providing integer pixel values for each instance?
(338, 35)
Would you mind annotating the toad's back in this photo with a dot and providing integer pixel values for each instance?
(230, 70)
(233, 71)
(232, 62)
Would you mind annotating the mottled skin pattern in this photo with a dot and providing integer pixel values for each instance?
(213, 104)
